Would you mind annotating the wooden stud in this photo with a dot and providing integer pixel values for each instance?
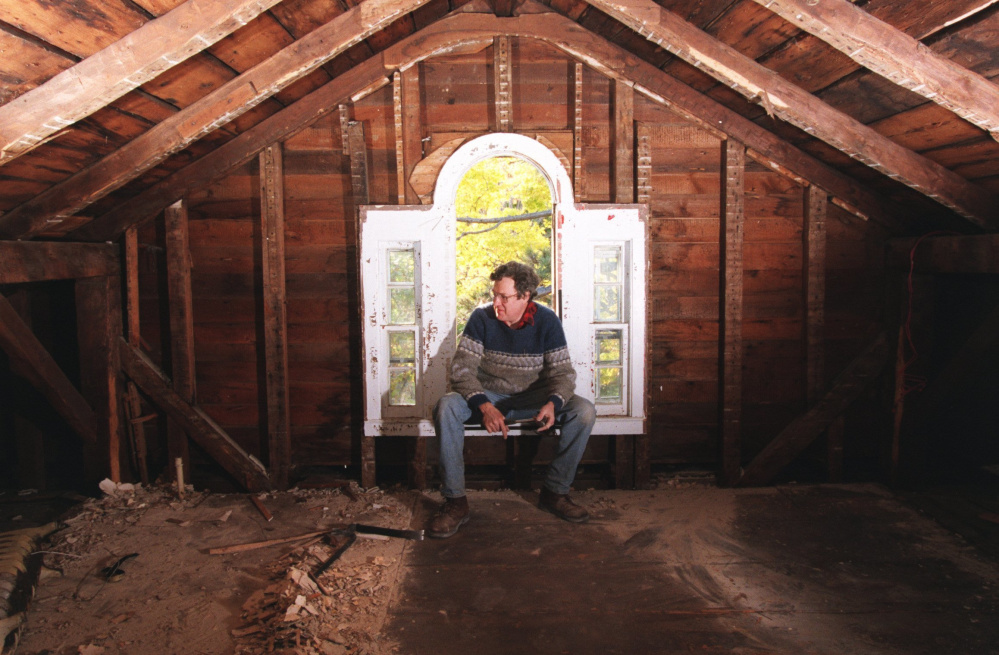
(503, 83)
(802, 431)
(359, 182)
(344, 121)
(624, 461)
(814, 248)
(733, 216)
(136, 429)
(400, 160)
(178, 265)
(245, 468)
(624, 142)
(275, 314)
(577, 132)
(98, 309)
(644, 167)
(41, 370)
(412, 129)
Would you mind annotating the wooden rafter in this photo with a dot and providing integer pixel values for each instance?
(130, 62)
(800, 108)
(247, 470)
(896, 56)
(219, 107)
(453, 32)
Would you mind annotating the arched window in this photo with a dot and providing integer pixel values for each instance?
(408, 296)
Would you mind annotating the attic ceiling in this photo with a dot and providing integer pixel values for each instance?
(111, 155)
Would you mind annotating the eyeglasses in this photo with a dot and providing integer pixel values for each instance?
(504, 298)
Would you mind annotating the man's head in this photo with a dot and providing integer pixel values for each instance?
(514, 284)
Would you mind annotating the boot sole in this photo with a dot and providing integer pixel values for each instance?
(445, 535)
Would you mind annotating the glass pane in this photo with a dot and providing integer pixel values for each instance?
(402, 309)
(607, 304)
(607, 265)
(402, 349)
(609, 384)
(609, 346)
(402, 266)
(402, 387)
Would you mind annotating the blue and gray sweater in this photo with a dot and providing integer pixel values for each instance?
(492, 356)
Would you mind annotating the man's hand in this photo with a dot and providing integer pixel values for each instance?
(546, 416)
(493, 419)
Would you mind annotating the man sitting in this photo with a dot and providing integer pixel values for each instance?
(512, 363)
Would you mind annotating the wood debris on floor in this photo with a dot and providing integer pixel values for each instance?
(137, 574)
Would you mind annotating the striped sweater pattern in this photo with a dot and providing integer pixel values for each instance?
(492, 356)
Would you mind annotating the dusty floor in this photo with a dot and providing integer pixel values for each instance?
(685, 568)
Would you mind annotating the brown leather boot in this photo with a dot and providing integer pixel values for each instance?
(452, 515)
(562, 506)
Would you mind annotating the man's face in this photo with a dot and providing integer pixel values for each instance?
(509, 307)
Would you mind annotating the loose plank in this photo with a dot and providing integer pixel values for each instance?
(219, 445)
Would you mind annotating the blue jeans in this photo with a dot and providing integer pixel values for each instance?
(577, 417)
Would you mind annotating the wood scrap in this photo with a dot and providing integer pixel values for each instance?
(239, 548)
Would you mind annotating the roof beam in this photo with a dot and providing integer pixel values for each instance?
(215, 109)
(32, 119)
(896, 56)
(800, 108)
(456, 31)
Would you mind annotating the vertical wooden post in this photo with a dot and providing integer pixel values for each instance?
(98, 307)
(400, 161)
(358, 151)
(503, 73)
(643, 464)
(813, 237)
(577, 133)
(135, 427)
(624, 142)
(178, 263)
(412, 129)
(733, 215)
(624, 192)
(275, 313)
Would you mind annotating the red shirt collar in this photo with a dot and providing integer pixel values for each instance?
(527, 318)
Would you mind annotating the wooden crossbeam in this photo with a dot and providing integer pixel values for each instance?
(275, 313)
(456, 31)
(130, 62)
(895, 55)
(217, 108)
(800, 108)
(24, 261)
(245, 468)
(44, 374)
(802, 431)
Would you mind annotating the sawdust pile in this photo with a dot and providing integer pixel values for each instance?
(172, 595)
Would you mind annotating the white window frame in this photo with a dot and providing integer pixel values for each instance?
(430, 231)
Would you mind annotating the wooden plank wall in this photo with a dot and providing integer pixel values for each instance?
(684, 193)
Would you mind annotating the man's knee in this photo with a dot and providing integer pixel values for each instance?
(582, 410)
(452, 404)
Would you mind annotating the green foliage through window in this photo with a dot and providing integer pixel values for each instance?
(492, 189)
